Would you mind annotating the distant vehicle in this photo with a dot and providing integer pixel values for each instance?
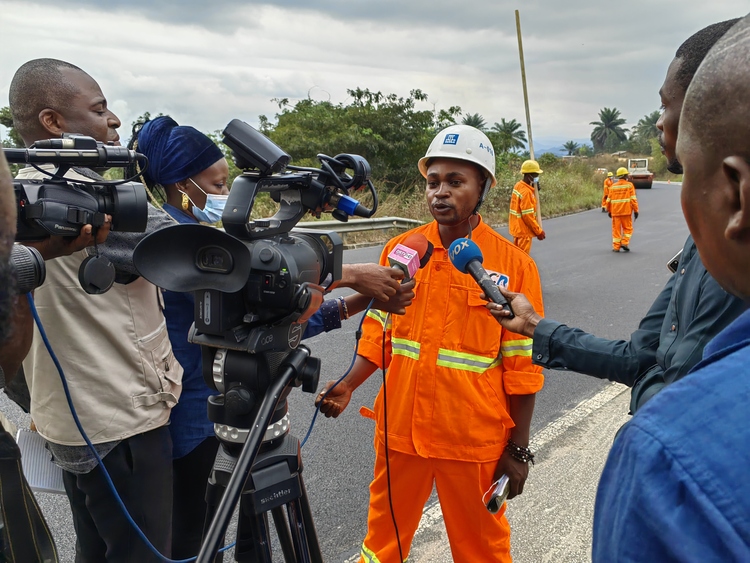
(639, 175)
(601, 170)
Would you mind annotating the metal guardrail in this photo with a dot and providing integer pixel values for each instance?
(361, 225)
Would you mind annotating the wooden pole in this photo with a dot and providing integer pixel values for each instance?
(528, 114)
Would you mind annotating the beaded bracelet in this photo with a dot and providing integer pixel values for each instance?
(344, 308)
(519, 453)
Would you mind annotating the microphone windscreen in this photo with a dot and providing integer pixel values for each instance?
(462, 251)
(417, 242)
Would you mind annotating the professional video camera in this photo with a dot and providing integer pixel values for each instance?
(57, 206)
(255, 286)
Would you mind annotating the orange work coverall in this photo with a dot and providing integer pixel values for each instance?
(451, 368)
(621, 204)
(607, 183)
(522, 221)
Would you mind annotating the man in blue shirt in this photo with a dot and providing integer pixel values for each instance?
(675, 486)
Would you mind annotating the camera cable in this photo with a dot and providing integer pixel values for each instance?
(86, 439)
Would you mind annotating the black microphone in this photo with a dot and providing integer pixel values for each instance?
(467, 258)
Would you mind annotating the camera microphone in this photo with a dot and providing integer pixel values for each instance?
(467, 258)
(412, 254)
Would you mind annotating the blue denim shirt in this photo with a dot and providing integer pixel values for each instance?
(676, 485)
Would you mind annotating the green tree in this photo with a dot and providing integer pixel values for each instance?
(547, 160)
(586, 150)
(507, 136)
(386, 129)
(646, 126)
(572, 147)
(608, 130)
(475, 120)
(13, 140)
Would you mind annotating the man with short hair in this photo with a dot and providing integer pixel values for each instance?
(690, 310)
(675, 485)
(460, 389)
(522, 222)
(622, 207)
(113, 347)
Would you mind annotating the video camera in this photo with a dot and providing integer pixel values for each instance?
(255, 286)
(58, 206)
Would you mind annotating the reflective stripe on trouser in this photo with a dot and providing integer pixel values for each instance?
(622, 230)
(474, 534)
(524, 243)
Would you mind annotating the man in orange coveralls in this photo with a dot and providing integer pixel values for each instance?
(608, 181)
(621, 203)
(522, 223)
(460, 388)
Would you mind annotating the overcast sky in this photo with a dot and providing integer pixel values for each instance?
(209, 61)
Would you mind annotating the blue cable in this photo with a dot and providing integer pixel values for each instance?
(340, 379)
(111, 485)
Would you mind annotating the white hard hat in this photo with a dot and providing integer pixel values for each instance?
(462, 142)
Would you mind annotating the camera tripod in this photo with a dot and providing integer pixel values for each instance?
(261, 466)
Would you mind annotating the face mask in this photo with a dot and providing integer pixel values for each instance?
(213, 209)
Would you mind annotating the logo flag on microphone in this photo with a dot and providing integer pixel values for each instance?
(404, 258)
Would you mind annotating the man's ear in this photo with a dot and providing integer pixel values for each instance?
(52, 122)
(737, 174)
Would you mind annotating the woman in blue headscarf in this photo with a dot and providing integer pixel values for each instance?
(192, 173)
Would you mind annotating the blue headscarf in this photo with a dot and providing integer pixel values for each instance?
(175, 152)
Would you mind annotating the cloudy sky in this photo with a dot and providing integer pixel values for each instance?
(207, 62)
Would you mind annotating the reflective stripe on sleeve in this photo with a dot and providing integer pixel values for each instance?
(404, 347)
(464, 361)
(515, 213)
(520, 347)
(379, 316)
(527, 211)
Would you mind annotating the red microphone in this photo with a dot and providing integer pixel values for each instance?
(411, 254)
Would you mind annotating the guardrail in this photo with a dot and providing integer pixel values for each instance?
(361, 225)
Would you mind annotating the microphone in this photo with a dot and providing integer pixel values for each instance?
(412, 254)
(467, 258)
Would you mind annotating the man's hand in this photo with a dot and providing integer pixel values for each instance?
(373, 280)
(542, 235)
(336, 400)
(398, 303)
(635, 214)
(525, 319)
(610, 214)
(517, 472)
(604, 209)
(56, 246)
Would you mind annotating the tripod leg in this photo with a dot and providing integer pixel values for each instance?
(253, 543)
(285, 537)
(312, 536)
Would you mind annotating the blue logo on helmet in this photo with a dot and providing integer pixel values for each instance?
(451, 139)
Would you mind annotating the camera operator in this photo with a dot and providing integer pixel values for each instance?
(113, 347)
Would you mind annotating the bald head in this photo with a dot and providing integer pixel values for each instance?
(39, 84)
(716, 111)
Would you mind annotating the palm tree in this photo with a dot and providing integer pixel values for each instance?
(646, 127)
(475, 120)
(572, 147)
(508, 136)
(609, 125)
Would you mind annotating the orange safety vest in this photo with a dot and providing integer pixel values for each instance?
(522, 221)
(451, 366)
(607, 183)
(621, 199)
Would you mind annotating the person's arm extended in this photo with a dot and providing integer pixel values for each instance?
(372, 280)
(521, 411)
(557, 346)
(338, 398)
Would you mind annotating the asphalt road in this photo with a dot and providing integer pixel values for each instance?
(585, 285)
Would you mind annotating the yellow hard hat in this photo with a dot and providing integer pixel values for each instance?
(530, 167)
(609, 174)
(622, 171)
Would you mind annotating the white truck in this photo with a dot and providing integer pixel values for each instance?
(638, 173)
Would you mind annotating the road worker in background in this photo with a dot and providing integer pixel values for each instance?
(460, 388)
(608, 181)
(622, 207)
(522, 224)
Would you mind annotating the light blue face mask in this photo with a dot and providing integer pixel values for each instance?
(211, 212)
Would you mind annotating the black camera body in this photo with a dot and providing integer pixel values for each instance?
(60, 207)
